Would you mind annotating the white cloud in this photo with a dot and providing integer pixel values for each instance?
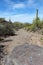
(22, 17)
(19, 5)
(30, 1)
(14, 5)
(19, 17)
(32, 4)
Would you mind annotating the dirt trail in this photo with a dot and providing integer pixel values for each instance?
(22, 37)
(26, 55)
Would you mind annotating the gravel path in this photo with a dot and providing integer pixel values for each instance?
(22, 37)
(25, 55)
(20, 53)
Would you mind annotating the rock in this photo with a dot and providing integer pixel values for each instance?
(25, 55)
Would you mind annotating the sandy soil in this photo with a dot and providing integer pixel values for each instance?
(22, 37)
(25, 55)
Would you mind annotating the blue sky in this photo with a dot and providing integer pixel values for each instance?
(20, 10)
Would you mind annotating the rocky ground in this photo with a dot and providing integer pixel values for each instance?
(22, 37)
(25, 55)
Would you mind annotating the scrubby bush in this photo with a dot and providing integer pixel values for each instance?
(18, 25)
(6, 29)
(2, 29)
(1, 32)
(36, 25)
(26, 26)
(42, 31)
(41, 24)
(9, 29)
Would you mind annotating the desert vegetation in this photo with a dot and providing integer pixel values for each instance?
(37, 24)
(8, 28)
(31, 33)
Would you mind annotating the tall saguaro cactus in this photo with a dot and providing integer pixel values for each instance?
(36, 13)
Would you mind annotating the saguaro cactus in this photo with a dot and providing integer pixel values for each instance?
(36, 13)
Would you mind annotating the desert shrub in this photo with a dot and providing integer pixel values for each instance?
(6, 28)
(32, 28)
(18, 25)
(2, 28)
(2, 20)
(26, 26)
(35, 25)
(41, 38)
(41, 25)
(42, 31)
(1, 32)
(9, 29)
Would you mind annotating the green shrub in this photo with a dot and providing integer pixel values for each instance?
(41, 38)
(42, 31)
(41, 24)
(6, 28)
(35, 25)
(2, 29)
(18, 25)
